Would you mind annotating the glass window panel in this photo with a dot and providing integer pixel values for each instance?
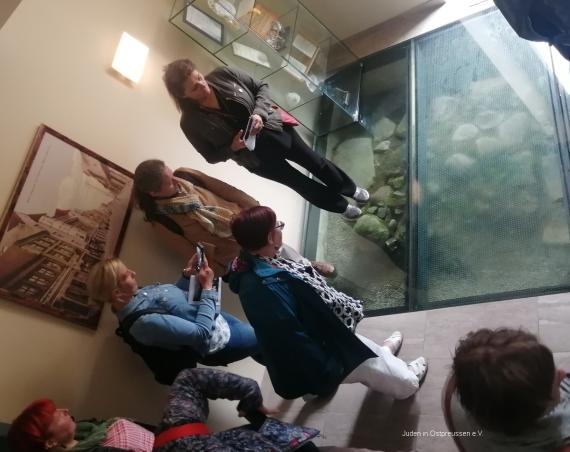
(371, 254)
(493, 215)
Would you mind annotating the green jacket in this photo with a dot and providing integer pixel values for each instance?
(211, 133)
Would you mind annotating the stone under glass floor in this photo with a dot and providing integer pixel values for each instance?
(358, 418)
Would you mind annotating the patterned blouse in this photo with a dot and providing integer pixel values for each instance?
(188, 402)
(347, 309)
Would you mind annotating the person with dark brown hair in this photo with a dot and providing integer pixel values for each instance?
(215, 110)
(508, 384)
(187, 207)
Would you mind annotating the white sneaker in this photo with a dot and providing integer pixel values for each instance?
(419, 367)
(352, 212)
(361, 195)
(394, 342)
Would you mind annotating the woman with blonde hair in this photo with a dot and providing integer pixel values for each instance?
(173, 322)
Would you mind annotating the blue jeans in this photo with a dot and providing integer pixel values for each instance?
(242, 344)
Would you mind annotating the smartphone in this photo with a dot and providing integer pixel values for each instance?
(248, 138)
(248, 128)
(200, 254)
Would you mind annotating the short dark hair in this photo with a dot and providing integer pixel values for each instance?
(504, 378)
(252, 226)
(148, 178)
(174, 77)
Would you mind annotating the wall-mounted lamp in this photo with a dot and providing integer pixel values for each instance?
(130, 57)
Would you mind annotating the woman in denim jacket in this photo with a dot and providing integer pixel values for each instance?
(213, 334)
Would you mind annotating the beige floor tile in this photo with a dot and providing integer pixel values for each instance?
(555, 335)
(411, 324)
(444, 327)
(433, 435)
(554, 308)
(364, 431)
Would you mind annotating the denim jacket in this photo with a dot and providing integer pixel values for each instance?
(186, 324)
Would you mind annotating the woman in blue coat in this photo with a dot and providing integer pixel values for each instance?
(305, 327)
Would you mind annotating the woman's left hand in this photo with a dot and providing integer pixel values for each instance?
(257, 124)
(263, 410)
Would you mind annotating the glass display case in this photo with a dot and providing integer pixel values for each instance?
(312, 74)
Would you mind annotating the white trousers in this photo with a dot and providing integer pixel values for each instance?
(385, 373)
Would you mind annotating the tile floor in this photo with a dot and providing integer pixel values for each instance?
(356, 417)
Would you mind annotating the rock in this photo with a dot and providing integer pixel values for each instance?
(459, 164)
(388, 164)
(372, 210)
(398, 211)
(555, 234)
(382, 146)
(382, 212)
(487, 89)
(488, 119)
(444, 108)
(552, 181)
(465, 132)
(355, 157)
(515, 128)
(397, 199)
(396, 182)
(382, 195)
(391, 243)
(402, 128)
(373, 228)
(392, 224)
(401, 231)
(487, 145)
(383, 129)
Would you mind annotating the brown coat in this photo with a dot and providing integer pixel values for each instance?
(219, 251)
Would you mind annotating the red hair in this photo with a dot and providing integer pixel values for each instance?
(251, 227)
(28, 432)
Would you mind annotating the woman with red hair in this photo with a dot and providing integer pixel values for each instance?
(42, 426)
(304, 327)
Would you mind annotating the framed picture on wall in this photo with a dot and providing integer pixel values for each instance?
(68, 211)
(205, 24)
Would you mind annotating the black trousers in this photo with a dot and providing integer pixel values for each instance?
(274, 149)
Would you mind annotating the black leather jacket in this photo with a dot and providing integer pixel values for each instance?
(211, 132)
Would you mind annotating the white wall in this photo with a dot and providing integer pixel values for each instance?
(417, 21)
(55, 57)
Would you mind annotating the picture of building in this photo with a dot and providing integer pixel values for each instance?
(47, 249)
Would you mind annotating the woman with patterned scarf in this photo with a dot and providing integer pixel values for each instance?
(304, 327)
(187, 206)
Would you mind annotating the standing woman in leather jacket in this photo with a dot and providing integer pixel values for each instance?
(215, 109)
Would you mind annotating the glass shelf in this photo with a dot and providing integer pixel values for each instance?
(311, 73)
